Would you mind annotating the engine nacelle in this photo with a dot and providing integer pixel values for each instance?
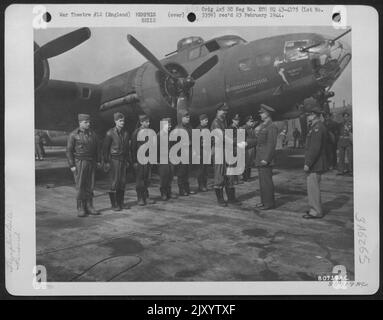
(155, 89)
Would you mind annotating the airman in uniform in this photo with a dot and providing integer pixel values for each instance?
(345, 146)
(183, 169)
(235, 126)
(142, 171)
(332, 139)
(202, 168)
(165, 170)
(116, 159)
(221, 179)
(315, 162)
(83, 156)
(264, 158)
(250, 152)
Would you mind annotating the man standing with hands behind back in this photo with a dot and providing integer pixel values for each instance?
(83, 154)
(265, 151)
(315, 162)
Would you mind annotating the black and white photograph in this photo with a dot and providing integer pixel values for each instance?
(125, 193)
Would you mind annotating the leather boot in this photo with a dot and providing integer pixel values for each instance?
(170, 195)
(182, 190)
(164, 195)
(231, 195)
(120, 199)
(220, 199)
(147, 199)
(187, 189)
(140, 198)
(112, 196)
(89, 207)
(81, 209)
(202, 187)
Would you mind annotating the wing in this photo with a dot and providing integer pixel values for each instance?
(58, 103)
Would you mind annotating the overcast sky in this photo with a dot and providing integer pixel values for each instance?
(107, 53)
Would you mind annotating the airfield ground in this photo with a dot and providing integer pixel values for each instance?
(191, 238)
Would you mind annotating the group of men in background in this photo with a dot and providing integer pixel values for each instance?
(119, 152)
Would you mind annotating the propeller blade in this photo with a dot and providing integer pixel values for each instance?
(148, 55)
(204, 67)
(64, 43)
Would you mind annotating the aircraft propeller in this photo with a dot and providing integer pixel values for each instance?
(63, 43)
(53, 49)
(182, 85)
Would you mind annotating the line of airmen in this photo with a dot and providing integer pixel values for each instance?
(119, 151)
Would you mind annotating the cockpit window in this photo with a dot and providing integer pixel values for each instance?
(212, 46)
(194, 53)
(227, 43)
(293, 52)
(197, 52)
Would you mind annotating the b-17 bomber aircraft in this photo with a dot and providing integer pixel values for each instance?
(282, 71)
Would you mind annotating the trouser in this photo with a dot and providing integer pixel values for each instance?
(84, 178)
(345, 151)
(202, 174)
(38, 151)
(266, 186)
(221, 179)
(166, 173)
(296, 142)
(330, 154)
(183, 174)
(117, 174)
(313, 193)
(143, 175)
(334, 156)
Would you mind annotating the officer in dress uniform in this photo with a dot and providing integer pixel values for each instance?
(116, 159)
(345, 145)
(203, 168)
(315, 162)
(250, 152)
(165, 170)
(143, 171)
(183, 169)
(83, 156)
(265, 152)
(332, 139)
(221, 179)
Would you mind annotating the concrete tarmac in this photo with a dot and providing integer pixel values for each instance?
(191, 238)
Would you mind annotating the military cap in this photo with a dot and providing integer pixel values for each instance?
(83, 117)
(236, 117)
(184, 113)
(203, 116)
(143, 117)
(266, 108)
(223, 107)
(118, 116)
